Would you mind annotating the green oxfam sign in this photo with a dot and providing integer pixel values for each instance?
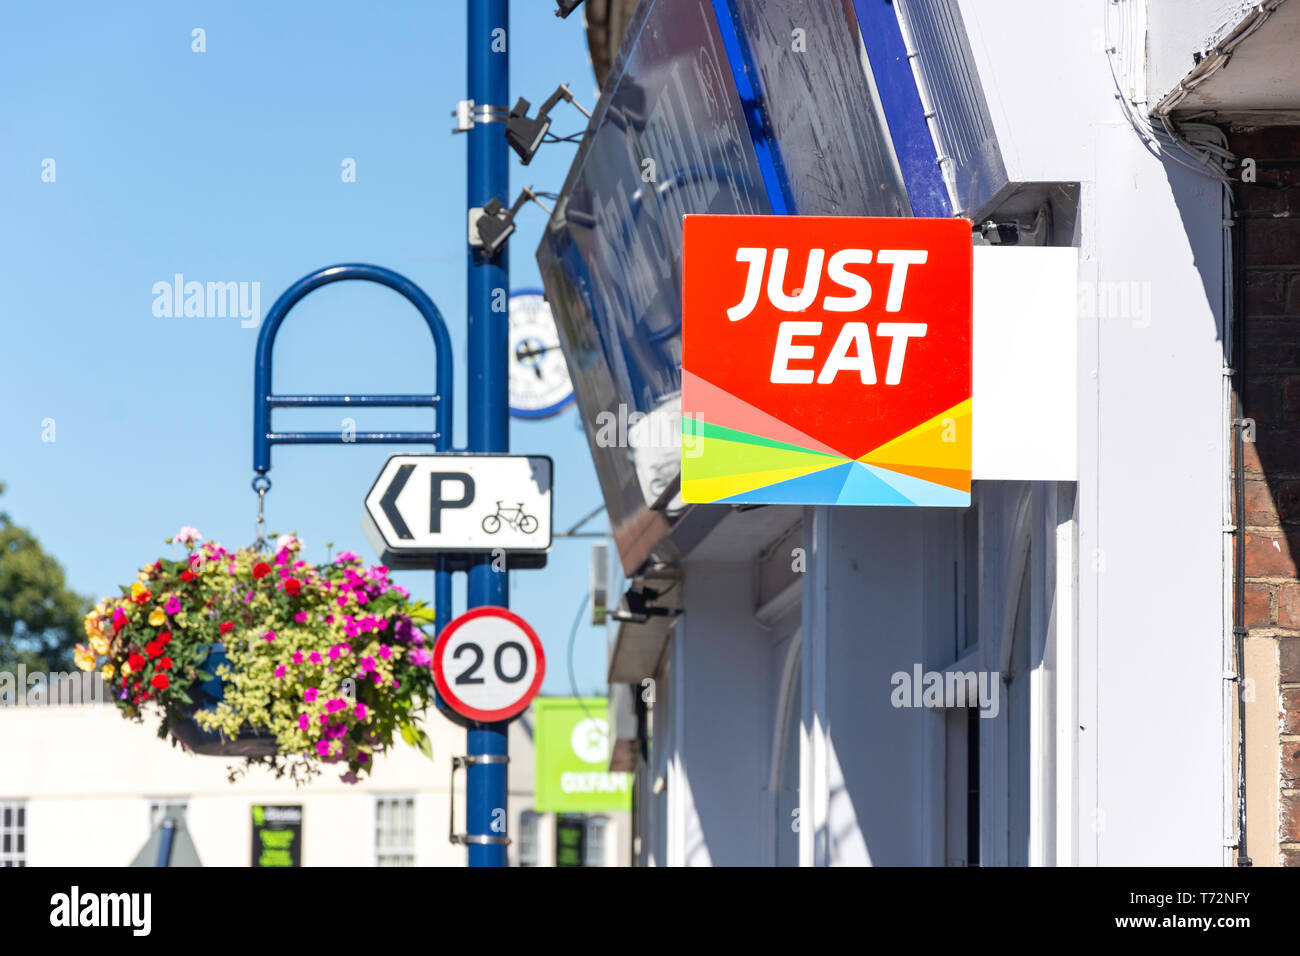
(573, 747)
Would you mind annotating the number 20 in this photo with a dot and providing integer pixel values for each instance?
(467, 675)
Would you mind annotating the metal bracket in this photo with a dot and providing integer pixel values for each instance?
(468, 114)
(466, 839)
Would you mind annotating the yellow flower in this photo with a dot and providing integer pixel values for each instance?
(93, 624)
(107, 671)
(99, 644)
(126, 668)
(137, 589)
(83, 658)
(158, 617)
(142, 576)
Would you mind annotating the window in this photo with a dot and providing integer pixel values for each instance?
(593, 846)
(13, 834)
(395, 831)
(529, 822)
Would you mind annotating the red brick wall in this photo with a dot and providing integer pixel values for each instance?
(1269, 380)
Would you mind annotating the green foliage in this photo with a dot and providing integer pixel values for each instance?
(40, 618)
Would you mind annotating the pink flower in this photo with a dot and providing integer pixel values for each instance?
(188, 535)
(329, 618)
(335, 705)
(287, 541)
(323, 719)
(347, 557)
(360, 711)
(173, 605)
(301, 617)
(303, 721)
(343, 600)
(323, 748)
(385, 651)
(315, 657)
(297, 657)
(310, 695)
(335, 651)
(367, 664)
(269, 635)
(281, 671)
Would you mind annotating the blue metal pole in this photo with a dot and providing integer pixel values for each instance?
(488, 410)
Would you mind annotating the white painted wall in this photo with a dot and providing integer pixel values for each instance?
(719, 702)
(1151, 445)
(87, 776)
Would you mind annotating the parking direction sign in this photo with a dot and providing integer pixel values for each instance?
(488, 664)
(424, 506)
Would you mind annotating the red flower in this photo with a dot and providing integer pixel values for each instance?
(261, 569)
(188, 576)
(137, 662)
(160, 681)
(153, 649)
(164, 664)
(293, 587)
(164, 637)
(143, 596)
(226, 627)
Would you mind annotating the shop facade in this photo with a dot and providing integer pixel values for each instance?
(787, 680)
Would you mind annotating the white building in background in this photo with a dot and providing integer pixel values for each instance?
(757, 654)
(82, 786)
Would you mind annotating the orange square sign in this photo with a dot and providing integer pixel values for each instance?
(826, 360)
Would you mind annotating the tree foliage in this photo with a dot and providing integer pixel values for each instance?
(40, 617)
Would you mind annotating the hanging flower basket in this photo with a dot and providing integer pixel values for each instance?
(257, 654)
(206, 695)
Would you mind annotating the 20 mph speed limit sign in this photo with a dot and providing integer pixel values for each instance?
(488, 664)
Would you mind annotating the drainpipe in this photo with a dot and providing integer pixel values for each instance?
(1236, 322)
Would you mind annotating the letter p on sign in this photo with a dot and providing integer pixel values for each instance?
(826, 360)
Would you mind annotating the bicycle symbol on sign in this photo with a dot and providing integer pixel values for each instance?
(516, 518)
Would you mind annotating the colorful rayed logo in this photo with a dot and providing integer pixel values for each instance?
(826, 360)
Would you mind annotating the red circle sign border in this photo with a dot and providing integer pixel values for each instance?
(444, 689)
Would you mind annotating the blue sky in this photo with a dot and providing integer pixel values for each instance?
(225, 166)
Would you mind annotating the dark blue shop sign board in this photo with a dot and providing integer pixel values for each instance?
(710, 108)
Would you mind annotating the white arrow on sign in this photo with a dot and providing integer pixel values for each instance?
(433, 504)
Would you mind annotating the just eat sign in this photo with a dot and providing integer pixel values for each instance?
(826, 360)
